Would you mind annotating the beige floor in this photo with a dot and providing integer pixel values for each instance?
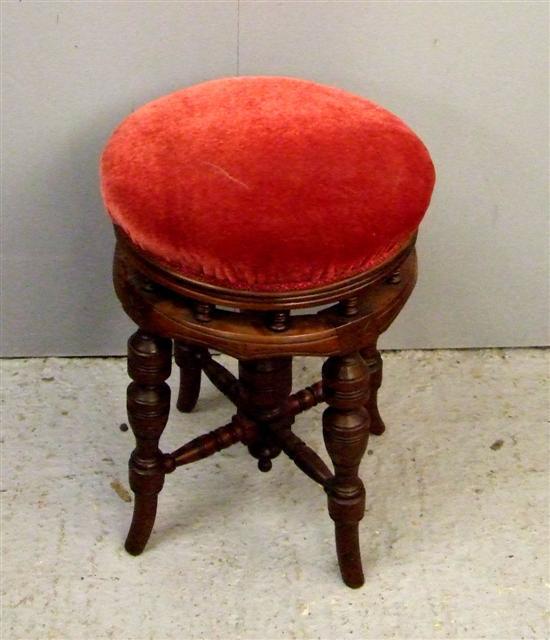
(455, 539)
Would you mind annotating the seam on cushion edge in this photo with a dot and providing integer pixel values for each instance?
(186, 270)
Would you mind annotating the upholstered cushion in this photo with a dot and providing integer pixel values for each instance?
(266, 183)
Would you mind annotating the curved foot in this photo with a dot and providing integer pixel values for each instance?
(346, 432)
(373, 360)
(377, 426)
(190, 376)
(349, 553)
(148, 402)
(145, 510)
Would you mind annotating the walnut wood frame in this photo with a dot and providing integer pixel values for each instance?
(263, 335)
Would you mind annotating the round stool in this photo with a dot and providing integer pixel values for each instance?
(235, 203)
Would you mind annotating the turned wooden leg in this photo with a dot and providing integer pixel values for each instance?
(187, 359)
(373, 360)
(148, 399)
(266, 384)
(346, 432)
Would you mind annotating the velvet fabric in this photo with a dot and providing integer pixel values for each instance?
(266, 183)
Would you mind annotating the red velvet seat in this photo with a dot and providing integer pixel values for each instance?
(266, 183)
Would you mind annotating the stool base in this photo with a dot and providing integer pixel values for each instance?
(264, 342)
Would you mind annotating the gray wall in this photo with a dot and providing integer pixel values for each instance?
(469, 77)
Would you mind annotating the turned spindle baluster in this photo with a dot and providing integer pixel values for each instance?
(187, 359)
(204, 311)
(305, 399)
(349, 307)
(394, 278)
(373, 360)
(346, 430)
(238, 430)
(278, 320)
(148, 400)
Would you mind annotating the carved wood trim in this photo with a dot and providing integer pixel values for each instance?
(305, 399)
(267, 301)
(244, 335)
